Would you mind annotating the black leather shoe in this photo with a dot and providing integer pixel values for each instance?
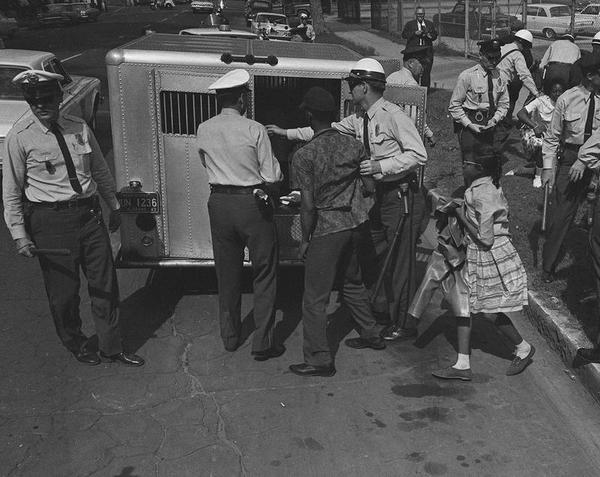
(274, 351)
(360, 343)
(586, 356)
(396, 333)
(305, 369)
(123, 358)
(548, 277)
(86, 357)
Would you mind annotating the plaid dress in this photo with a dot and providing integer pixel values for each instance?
(496, 277)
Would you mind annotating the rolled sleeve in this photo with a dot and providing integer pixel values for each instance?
(300, 134)
(13, 183)
(268, 165)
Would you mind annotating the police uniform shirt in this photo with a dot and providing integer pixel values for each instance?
(236, 151)
(471, 92)
(393, 138)
(589, 153)
(561, 51)
(568, 122)
(35, 165)
(513, 64)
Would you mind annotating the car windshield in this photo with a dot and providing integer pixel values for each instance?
(562, 11)
(7, 89)
(272, 19)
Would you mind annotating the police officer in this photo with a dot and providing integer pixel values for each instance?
(559, 58)
(53, 173)
(242, 171)
(576, 116)
(478, 103)
(575, 75)
(396, 152)
(305, 29)
(422, 33)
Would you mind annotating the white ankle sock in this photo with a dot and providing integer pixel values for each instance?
(462, 362)
(522, 349)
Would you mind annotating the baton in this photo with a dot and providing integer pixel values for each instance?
(391, 248)
(545, 209)
(50, 251)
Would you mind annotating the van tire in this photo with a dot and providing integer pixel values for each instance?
(549, 33)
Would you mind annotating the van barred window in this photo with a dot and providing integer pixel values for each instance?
(182, 112)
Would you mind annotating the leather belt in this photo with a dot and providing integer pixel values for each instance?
(69, 204)
(571, 147)
(392, 185)
(232, 189)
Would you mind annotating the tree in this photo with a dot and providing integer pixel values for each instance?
(317, 16)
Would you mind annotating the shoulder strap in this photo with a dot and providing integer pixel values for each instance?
(506, 54)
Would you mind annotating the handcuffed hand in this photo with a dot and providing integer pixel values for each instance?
(369, 167)
(576, 171)
(114, 220)
(548, 177)
(302, 249)
(476, 128)
(272, 129)
(24, 247)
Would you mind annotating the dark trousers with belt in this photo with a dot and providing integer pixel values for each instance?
(400, 278)
(329, 256)
(556, 71)
(566, 198)
(81, 230)
(473, 146)
(237, 221)
(427, 63)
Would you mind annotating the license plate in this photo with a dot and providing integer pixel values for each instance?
(139, 202)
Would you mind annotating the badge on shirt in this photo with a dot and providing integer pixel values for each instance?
(80, 139)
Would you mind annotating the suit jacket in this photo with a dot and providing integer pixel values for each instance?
(412, 39)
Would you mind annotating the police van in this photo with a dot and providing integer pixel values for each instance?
(158, 90)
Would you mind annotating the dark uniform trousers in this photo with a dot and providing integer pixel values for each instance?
(594, 239)
(400, 278)
(565, 200)
(474, 146)
(81, 230)
(329, 256)
(236, 221)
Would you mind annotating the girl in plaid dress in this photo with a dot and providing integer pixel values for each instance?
(495, 274)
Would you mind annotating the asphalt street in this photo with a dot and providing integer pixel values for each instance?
(196, 410)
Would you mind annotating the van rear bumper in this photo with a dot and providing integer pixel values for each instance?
(158, 263)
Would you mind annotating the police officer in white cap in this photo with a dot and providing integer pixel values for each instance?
(242, 171)
(53, 173)
(396, 151)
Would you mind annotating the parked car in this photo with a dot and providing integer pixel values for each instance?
(64, 13)
(222, 31)
(275, 25)
(590, 13)
(481, 18)
(8, 26)
(256, 6)
(553, 19)
(81, 93)
(579, 4)
(202, 6)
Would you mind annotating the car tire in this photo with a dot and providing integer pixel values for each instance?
(549, 33)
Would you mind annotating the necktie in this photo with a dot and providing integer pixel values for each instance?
(366, 135)
(589, 122)
(54, 129)
(492, 107)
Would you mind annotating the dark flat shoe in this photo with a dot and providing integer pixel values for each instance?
(453, 373)
(123, 358)
(518, 365)
(395, 333)
(305, 369)
(376, 343)
(273, 352)
(86, 357)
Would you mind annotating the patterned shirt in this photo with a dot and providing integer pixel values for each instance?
(328, 168)
(35, 167)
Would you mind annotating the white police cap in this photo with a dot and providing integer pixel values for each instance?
(596, 38)
(36, 77)
(233, 79)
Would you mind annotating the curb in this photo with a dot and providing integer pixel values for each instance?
(564, 335)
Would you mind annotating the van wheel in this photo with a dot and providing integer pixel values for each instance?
(549, 33)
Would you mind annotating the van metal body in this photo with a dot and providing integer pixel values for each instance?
(158, 89)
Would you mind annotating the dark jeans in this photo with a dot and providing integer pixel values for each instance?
(399, 281)
(237, 221)
(85, 235)
(328, 256)
(565, 200)
(427, 63)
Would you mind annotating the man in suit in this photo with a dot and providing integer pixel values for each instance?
(421, 32)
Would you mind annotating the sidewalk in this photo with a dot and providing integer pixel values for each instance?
(562, 331)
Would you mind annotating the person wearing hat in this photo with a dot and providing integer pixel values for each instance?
(305, 29)
(52, 175)
(334, 212)
(478, 103)
(419, 53)
(515, 71)
(559, 57)
(396, 152)
(421, 33)
(242, 172)
(576, 116)
(575, 75)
